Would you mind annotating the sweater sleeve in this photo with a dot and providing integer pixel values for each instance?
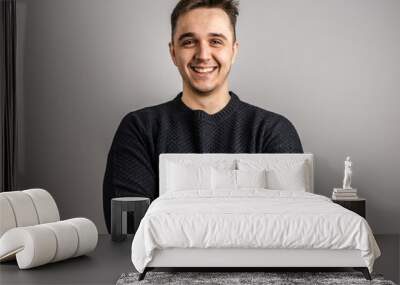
(129, 170)
(283, 138)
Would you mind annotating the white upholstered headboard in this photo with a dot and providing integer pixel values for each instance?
(210, 157)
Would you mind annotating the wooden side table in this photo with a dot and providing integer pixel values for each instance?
(358, 205)
(119, 209)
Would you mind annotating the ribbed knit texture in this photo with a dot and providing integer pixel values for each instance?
(172, 127)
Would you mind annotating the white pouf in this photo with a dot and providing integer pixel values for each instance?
(40, 244)
(7, 216)
(32, 233)
(23, 208)
(26, 208)
(45, 205)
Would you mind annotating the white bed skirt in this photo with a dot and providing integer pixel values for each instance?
(235, 257)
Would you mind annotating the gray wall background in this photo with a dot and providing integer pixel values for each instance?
(332, 67)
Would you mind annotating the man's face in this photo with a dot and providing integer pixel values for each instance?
(203, 49)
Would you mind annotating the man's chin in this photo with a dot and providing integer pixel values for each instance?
(203, 91)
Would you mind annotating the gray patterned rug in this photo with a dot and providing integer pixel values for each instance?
(243, 278)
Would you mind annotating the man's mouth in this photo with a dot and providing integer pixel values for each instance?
(203, 70)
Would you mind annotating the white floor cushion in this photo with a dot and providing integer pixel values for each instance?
(26, 208)
(23, 208)
(7, 220)
(33, 246)
(67, 239)
(87, 233)
(40, 244)
(45, 205)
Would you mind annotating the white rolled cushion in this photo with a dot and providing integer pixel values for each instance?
(33, 246)
(87, 233)
(251, 178)
(223, 179)
(67, 239)
(40, 244)
(181, 177)
(7, 218)
(45, 205)
(23, 208)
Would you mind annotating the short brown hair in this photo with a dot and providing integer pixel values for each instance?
(230, 7)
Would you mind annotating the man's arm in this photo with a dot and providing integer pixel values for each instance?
(283, 138)
(129, 170)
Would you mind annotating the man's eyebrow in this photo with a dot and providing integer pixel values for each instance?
(218, 35)
(190, 35)
(185, 35)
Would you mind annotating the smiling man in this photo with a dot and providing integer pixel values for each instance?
(206, 117)
(204, 47)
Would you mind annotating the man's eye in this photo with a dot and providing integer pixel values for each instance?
(187, 42)
(216, 42)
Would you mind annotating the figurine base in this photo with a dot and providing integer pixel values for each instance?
(344, 189)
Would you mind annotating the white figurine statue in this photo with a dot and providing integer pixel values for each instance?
(347, 173)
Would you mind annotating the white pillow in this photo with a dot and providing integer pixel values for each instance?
(293, 178)
(251, 178)
(183, 177)
(236, 179)
(200, 161)
(281, 175)
(223, 179)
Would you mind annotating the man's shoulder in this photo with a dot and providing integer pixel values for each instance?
(272, 122)
(259, 113)
(151, 111)
(281, 133)
(146, 117)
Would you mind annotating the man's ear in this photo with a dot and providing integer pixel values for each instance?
(235, 51)
(172, 51)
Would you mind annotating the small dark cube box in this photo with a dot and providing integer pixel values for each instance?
(357, 206)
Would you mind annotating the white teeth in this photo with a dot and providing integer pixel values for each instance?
(203, 70)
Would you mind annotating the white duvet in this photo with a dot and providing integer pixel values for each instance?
(250, 218)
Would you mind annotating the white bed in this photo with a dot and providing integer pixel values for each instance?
(200, 223)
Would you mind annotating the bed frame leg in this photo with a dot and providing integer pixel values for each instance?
(143, 274)
(364, 271)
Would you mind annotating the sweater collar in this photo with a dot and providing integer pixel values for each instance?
(204, 116)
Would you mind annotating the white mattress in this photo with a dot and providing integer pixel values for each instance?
(250, 218)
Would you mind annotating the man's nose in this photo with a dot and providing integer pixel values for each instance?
(203, 51)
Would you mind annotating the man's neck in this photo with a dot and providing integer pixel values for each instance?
(211, 103)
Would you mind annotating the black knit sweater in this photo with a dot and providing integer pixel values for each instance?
(172, 127)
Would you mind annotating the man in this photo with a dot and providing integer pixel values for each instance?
(205, 118)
